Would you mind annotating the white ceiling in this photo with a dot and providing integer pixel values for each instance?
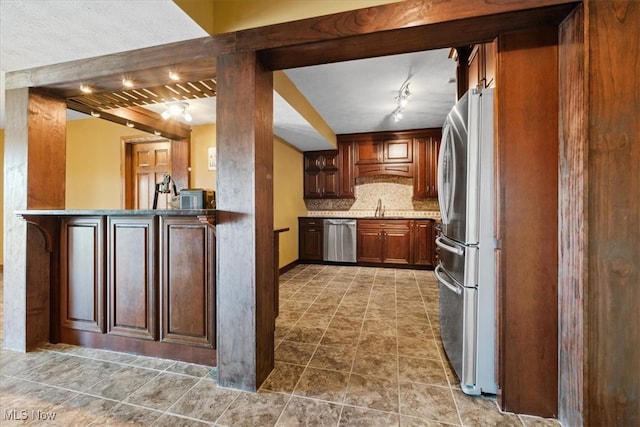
(352, 96)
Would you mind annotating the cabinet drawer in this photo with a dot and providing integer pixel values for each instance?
(311, 222)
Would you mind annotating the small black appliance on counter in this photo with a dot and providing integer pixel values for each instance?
(197, 198)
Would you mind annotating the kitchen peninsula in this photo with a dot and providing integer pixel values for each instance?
(138, 281)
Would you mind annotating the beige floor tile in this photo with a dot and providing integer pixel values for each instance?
(205, 401)
(368, 354)
(162, 391)
(322, 384)
(429, 402)
(254, 409)
(362, 417)
(374, 392)
(309, 412)
(283, 378)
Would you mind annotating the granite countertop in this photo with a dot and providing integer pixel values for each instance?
(371, 214)
(126, 212)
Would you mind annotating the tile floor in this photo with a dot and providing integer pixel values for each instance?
(355, 347)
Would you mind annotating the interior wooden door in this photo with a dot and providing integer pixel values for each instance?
(146, 163)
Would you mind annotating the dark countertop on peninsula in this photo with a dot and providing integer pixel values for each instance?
(114, 212)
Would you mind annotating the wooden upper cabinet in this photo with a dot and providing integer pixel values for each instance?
(328, 174)
(368, 151)
(412, 154)
(481, 66)
(425, 176)
(490, 62)
(398, 150)
(346, 188)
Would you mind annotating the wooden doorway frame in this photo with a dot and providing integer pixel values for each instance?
(180, 161)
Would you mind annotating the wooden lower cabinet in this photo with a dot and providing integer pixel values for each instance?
(187, 282)
(310, 239)
(424, 237)
(131, 277)
(82, 283)
(384, 241)
(141, 284)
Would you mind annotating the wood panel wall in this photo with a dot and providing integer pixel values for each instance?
(244, 198)
(600, 137)
(35, 152)
(572, 197)
(527, 150)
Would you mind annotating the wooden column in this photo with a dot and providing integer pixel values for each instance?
(600, 215)
(527, 149)
(35, 152)
(245, 279)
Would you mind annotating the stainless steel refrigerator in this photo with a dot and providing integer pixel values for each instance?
(466, 271)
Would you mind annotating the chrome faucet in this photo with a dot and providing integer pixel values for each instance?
(379, 209)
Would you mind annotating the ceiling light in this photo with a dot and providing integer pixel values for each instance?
(85, 89)
(174, 76)
(127, 82)
(404, 94)
(157, 133)
(95, 114)
(397, 114)
(177, 109)
(130, 125)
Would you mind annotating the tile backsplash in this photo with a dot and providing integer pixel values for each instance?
(395, 193)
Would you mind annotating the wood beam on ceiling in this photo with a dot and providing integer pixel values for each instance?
(140, 118)
(400, 15)
(147, 67)
(434, 36)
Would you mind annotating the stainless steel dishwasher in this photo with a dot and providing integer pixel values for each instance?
(340, 240)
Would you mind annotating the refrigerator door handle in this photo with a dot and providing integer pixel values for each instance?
(455, 249)
(441, 279)
(446, 171)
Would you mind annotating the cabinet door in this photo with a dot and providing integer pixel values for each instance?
(330, 184)
(310, 239)
(313, 185)
(396, 244)
(423, 242)
(425, 176)
(490, 57)
(187, 282)
(369, 245)
(131, 277)
(345, 162)
(475, 68)
(398, 151)
(82, 288)
(330, 160)
(313, 160)
(368, 152)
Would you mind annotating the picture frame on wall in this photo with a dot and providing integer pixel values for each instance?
(212, 158)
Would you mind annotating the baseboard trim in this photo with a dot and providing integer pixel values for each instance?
(289, 266)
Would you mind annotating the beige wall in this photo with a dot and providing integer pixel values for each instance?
(288, 203)
(222, 16)
(94, 178)
(202, 137)
(93, 164)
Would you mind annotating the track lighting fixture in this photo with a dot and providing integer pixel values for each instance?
(404, 94)
(177, 109)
